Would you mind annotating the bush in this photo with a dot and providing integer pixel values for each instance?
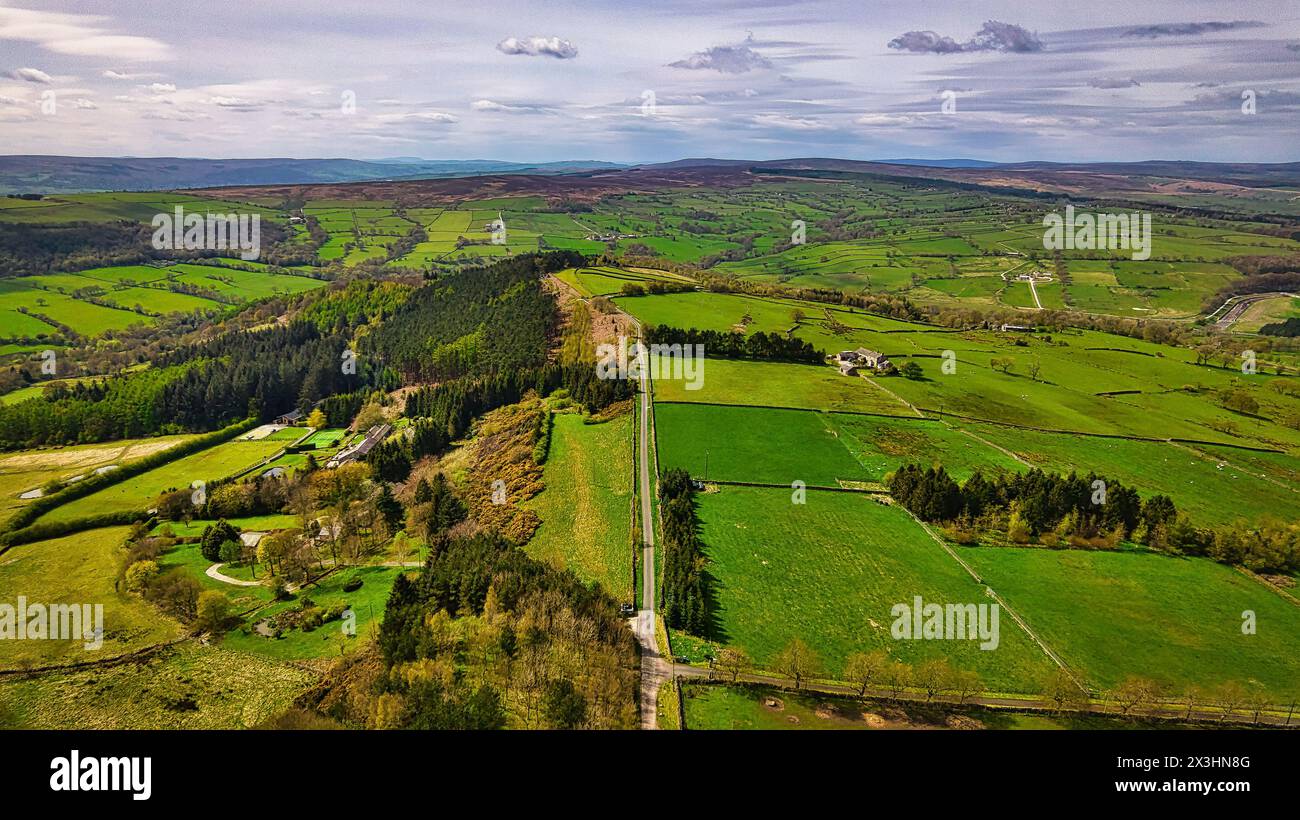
(353, 585)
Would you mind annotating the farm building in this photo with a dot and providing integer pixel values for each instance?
(850, 361)
(353, 452)
(291, 417)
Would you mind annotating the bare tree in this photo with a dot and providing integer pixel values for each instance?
(797, 662)
(864, 668)
(732, 662)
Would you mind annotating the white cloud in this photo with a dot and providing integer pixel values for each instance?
(538, 47)
(162, 88)
(82, 35)
(31, 75)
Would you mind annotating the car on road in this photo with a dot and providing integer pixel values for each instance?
(626, 610)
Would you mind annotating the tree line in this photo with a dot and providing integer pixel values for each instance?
(685, 596)
(730, 345)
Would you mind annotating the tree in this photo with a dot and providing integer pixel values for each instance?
(911, 370)
(1062, 692)
(212, 611)
(317, 420)
(231, 551)
(140, 575)
(934, 676)
(797, 662)
(214, 536)
(1133, 692)
(966, 683)
(563, 706)
(865, 668)
(733, 661)
(1229, 696)
(897, 676)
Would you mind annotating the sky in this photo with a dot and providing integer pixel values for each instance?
(1210, 80)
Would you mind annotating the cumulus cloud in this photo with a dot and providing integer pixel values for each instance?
(726, 59)
(1113, 82)
(80, 35)
(538, 47)
(992, 36)
(31, 75)
(83, 103)
(162, 88)
(1187, 29)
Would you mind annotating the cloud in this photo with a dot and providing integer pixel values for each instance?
(81, 35)
(31, 75)
(1113, 82)
(726, 59)
(162, 88)
(83, 103)
(538, 47)
(1187, 29)
(992, 36)
(114, 74)
(508, 108)
(435, 117)
(788, 123)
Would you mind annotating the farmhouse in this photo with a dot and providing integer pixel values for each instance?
(289, 418)
(850, 361)
(1016, 329)
(353, 452)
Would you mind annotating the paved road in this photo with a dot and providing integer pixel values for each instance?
(654, 671)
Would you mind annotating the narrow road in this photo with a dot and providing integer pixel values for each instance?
(215, 573)
(654, 671)
(1034, 290)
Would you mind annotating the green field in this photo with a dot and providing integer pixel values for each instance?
(190, 687)
(776, 384)
(1175, 620)
(1211, 491)
(78, 569)
(586, 507)
(754, 444)
(139, 492)
(829, 572)
(27, 470)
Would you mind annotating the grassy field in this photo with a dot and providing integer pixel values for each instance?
(829, 572)
(881, 445)
(587, 504)
(776, 384)
(189, 687)
(139, 492)
(77, 569)
(26, 470)
(1174, 620)
(760, 444)
(1210, 490)
(327, 640)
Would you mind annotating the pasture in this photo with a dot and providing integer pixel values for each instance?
(586, 507)
(829, 572)
(1177, 621)
(139, 492)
